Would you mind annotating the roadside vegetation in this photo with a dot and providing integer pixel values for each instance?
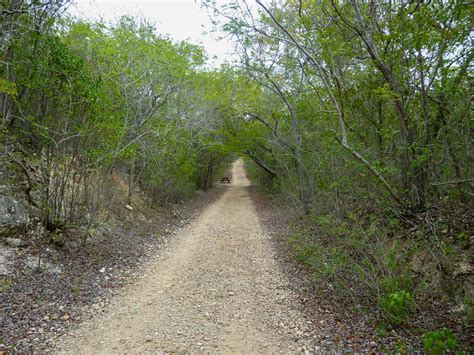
(361, 123)
(355, 116)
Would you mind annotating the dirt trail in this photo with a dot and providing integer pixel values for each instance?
(217, 288)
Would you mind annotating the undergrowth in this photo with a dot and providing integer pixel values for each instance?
(358, 262)
(401, 272)
(370, 264)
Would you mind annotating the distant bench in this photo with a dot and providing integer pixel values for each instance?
(225, 179)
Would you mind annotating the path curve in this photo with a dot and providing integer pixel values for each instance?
(217, 288)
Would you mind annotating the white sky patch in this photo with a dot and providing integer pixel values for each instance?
(180, 19)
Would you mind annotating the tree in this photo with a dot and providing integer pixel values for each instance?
(374, 69)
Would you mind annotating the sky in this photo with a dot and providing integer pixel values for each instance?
(180, 19)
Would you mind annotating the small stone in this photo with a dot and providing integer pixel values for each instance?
(148, 339)
(102, 270)
(14, 242)
(66, 317)
(128, 207)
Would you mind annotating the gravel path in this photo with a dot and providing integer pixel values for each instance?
(217, 287)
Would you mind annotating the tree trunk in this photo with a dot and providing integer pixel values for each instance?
(393, 193)
(421, 172)
(209, 173)
(303, 185)
(406, 133)
(379, 127)
(131, 181)
(8, 118)
(261, 164)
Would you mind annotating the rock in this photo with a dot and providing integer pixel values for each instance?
(65, 317)
(5, 254)
(14, 216)
(464, 268)
(14, 242)
(128, 207)
(45, 266)
(102, 270)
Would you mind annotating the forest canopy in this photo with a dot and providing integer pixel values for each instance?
(325, 96)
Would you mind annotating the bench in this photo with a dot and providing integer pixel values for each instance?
(225, 179)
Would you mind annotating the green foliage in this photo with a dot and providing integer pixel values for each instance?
(7, 87)
(438, 342)
(397, 305)
(359, 261)
(305, 254)
(89, 98)
(56, 237)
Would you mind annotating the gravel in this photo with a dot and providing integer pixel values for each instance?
(216, 287)
(77, 282)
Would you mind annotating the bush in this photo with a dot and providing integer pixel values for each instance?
(397, 306)
(439, 341)
(357, 261)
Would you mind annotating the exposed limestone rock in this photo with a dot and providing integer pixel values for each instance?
(5, 254)
(14, 242)
(14, 216)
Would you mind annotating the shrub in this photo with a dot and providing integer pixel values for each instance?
(357, 262)
(439, 341)
(397, 305)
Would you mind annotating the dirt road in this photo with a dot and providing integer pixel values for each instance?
(217, 288)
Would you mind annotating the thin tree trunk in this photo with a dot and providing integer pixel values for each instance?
(261, 164)
(393, 193)
(131, 181)
(295, 127)
(379, 127)
(406, 133)
(210, 169)
(421, 172)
